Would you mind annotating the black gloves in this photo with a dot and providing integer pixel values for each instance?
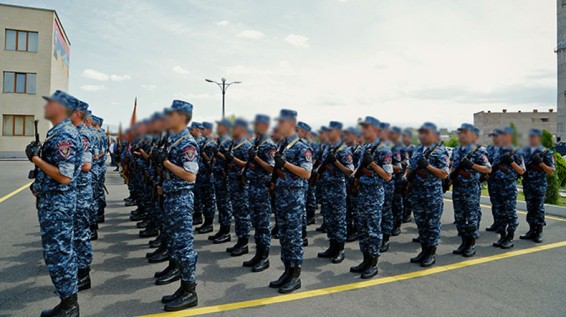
(214, 151)
(507, 158)
(280, 160)
(161, 156)
(33, 149)
(330, 158)
(536, 159)
(229, 157)
(423, 162)
(252, 152)
(367, 159)
(466, 163)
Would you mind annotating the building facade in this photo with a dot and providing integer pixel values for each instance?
(34, 62)
(523, 121)
(561, 63)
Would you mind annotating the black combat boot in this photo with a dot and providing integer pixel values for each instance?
(430, 258)
(396, 228)
(149, 232)
(216, 235)
(310, 221)
(493, 227)
(502, 238)
(420, 257)
(69, 307)
(206, 226)
(283, 278)
(417, 240)
(353, 236)
(538, 237)
(197, 219)
(138, 216)
(529, 235)
(362, 267)
(224, 235)
(275, 232)
(338, 253)
(100, 217)
(172, 265)
(159, 255)
(93, 234)
(186, 298)
(293, 282)
(330, 252)
(143, 224)
(240, 248)
(253, 261)
(83, 282)
(305, 239)
(172, 275)
(155, 243)
(371, 269)
(322, 227)
(129, 203)
(263, 263)
(470, 249)
(462, 246)
(384, 244)
(508, 243)
(407, 217)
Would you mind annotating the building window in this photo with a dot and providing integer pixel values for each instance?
(17, 125)
(22, 41)
(544, 119)
(19, 83)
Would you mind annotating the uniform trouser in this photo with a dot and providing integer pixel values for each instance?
(101, 195)
(505, 197)
(94, 201)
(305, 193)
(311, 201)
(208, 197)
(352, 211)
(407, 205)
(494, 205)
(370, 203)
(428, 205)
(81, 226)
(260, 206)
(535, 193)
(387, 214)
(197, 191)
(240, 207)
(334, 203)
(223, 201)
(397, 204)
(466, 199)
(178, 220)
(289, 207)
(55, 211)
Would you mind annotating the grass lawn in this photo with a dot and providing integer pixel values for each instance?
(521, 197)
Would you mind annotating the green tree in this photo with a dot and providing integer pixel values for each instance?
(515, 134)
(452, 142)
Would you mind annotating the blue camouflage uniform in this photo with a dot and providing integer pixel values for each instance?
(221, 187)
(290, 201)
(206, 178)
(95, 171)
(400, 157)
(407, 203)
(466, 188)
(259, 201)
(239, 190)
(426, 193)
(491, 150)
(387, 219)
(352, 196)
(370, 198)
(333, 181)
(56, 204)
(535, 183)
(504, 190)
(198, 210)
(179, 202)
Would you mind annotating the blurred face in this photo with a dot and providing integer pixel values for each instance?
(427, 137)
(276, 135)
(286, 127)
(384, 134)
(348, 137)
(175, 119)
(221, 129)
(261, 128)
(207, 132)
(301, 133)
(53, 110)
(464, 137)
(369, 132)
(323, 136)
(506, 139)
(393, 136)
(195, 132)
(495, 139)
(407, 139)
(238, 132)
(334, 135)
(534, 140)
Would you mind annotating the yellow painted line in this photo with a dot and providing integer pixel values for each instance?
(15, 192)
(522, 212)
(353, 286)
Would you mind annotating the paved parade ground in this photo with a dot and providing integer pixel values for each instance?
(527, 280)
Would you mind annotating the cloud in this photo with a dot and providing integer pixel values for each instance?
(297, 40)
(223, 23)
(93, 88)
(180, 70)
(148, 87)
(251, 34)
(115, 77)
(94, 74)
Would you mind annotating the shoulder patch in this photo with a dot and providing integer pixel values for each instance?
(348, 158)
(64, 148)
(190, 153)
(308, 155)
(85, 143)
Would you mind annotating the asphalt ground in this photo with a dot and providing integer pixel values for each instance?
(524, 281)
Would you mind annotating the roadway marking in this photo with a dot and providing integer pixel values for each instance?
(353, 286)
(521, 212)
(15, 192)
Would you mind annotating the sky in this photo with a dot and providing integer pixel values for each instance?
(403, 62)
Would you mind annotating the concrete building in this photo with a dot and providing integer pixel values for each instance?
(561, 63)
(34, 61)
(523, 121)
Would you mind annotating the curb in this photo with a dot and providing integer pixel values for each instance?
(549, 209)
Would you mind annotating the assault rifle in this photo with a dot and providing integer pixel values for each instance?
(355, 183)
(411, 175)
(275, 173)
(242, 176)
(315, 175)
(33, 173)
(446, 183)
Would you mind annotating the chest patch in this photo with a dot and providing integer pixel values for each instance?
(64, 148)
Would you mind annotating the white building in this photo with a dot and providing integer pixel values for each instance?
(34, 62)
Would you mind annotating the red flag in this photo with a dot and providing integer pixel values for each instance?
(133, 120)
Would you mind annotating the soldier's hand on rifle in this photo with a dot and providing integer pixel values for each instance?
(423, 162)
(466, 163)
(330, 158)
(229, 157)
(252, 152)
(367, 159)
(33, 149)
(536, 159)
(404, 182)
(214, 151)
(507, 158)
(280, 160)
(161, 156)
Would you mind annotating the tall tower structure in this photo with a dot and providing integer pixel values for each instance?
(561, 63)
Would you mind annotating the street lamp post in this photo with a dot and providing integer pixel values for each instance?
(223, 87)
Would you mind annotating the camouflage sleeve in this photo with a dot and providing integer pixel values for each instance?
(68, 150)
(481, 158)
(386, 158)
(189, 150)
(346, 159)
(441, 160)
(270, 150)
(305, 158)
(414, 159)
(87, 150)
(548, 159)
(520, 160)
